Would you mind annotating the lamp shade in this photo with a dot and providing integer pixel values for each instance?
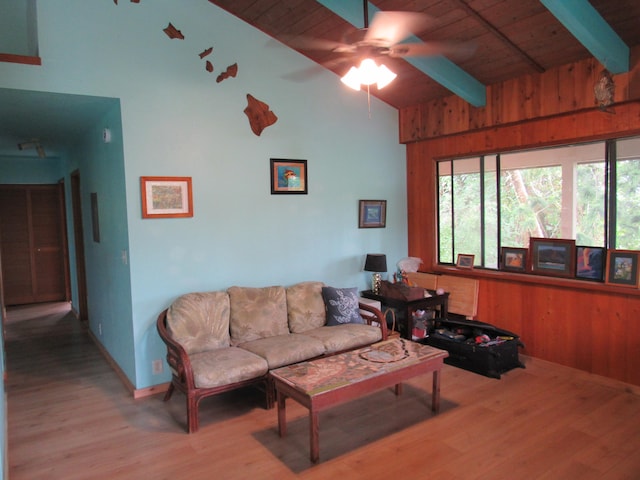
(375, 262)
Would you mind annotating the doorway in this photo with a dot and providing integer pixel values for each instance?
(78, 235)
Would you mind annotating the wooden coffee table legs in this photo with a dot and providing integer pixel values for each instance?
(435, 395)
(314, 424)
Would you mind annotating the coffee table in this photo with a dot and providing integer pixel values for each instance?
(323, 383)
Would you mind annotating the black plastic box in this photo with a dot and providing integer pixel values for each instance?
(497, 354)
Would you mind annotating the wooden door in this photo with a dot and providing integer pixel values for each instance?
(33, 244)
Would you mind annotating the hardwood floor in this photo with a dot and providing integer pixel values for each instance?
(69, 417)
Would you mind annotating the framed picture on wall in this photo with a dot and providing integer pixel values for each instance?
(622, 268)
(166, 197)
(288, 176)
(590, 263)
(552, 256)
(372, 214)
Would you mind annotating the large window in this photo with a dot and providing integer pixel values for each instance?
(588, 192)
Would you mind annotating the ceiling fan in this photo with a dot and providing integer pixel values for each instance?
(383, 37)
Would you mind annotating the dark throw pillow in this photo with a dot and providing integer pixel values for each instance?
(342, 305)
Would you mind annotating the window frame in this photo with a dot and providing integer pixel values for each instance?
(609, 207)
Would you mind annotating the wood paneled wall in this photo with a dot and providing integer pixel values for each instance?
(595, 331)
(580, 324)
(555, 92)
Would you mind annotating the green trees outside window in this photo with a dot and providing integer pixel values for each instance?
(490, 201)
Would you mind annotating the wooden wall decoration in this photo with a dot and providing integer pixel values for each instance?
(205, 52)
(231, 71)
(260, 116)
(173, 33)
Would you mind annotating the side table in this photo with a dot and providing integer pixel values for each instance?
(440, 303)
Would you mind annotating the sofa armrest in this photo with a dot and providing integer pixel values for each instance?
(372, 315)
(177, 357)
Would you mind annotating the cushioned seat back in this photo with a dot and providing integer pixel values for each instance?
(305, 307)
(200, 321)
(257, 313)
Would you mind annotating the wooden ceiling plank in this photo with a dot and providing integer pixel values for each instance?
(470, 11)
(588, 26)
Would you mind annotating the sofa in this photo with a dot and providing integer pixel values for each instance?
(223, 340)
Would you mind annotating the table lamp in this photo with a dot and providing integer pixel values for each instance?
(375, 262)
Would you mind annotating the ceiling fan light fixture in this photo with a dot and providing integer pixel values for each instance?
(385, 76)
(368, 73)
(352, 79)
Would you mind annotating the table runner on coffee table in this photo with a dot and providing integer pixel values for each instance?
(325, 374)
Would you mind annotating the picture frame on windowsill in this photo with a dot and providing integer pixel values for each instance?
(553, 257)
(622, 268)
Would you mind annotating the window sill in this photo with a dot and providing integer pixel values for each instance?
(24, 59)
(530, 278)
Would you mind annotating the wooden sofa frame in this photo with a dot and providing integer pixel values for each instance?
(182, 373)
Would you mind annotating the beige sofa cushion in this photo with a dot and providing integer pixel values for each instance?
(200, 321)
(257, 313)
(225, 366)
(305, 306)
(286, 349)
(346, 336)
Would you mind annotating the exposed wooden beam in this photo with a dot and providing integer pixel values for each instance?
(588, 26)
(439, 68)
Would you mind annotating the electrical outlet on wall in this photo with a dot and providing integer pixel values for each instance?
(156, 366)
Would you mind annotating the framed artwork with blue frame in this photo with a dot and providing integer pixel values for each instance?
(288, 176)
(372, 214)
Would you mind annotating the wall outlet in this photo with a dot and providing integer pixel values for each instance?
(100, 329)
(156, 366)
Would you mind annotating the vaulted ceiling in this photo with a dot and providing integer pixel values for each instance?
(511, 38)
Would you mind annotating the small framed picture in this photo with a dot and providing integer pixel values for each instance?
(372, 214)
(590, 263)
(622, 268)
(288, 176)
(514, 259)
(166, 197)
(465, 260)
(552, 256)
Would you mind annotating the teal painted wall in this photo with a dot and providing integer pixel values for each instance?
(101, 167)
(17, 27)
(174, 119)
(30, 170)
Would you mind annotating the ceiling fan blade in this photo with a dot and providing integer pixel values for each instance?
(389, 28)
(308, 73)
(459, 50)
(303, 42)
